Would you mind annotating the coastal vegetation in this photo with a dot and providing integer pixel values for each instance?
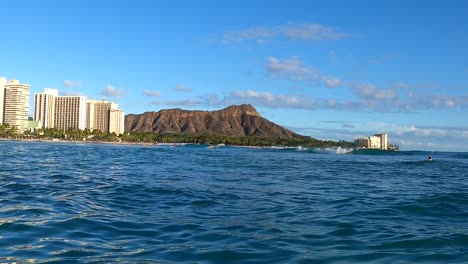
(152, 138)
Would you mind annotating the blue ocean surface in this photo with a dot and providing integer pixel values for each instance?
(110, 203)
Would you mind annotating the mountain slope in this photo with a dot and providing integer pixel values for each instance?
(235, 120)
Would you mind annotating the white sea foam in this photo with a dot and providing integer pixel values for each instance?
(278, 147)
(338, 150)
(301, 148)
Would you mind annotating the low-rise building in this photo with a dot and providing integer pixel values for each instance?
(377, 141)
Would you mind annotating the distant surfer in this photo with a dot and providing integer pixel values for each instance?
(429, 158)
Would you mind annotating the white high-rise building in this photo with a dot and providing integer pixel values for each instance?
(3, 82)
(116, 121)
(44, 107)
(70, 112)
(383, 140)
(16, 106)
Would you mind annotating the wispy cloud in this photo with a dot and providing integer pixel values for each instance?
(182, 88)
(406, 136)
(331, 82)
(294, 69)
(181, 103)
(270, 100)
(210, 100)
(371, 93)
(111, 91)
(304, 32)
(423, 137)
(291, 68)
(398, 97)
(367, 97)
(69, 83)
(152, 93)
(395, 100)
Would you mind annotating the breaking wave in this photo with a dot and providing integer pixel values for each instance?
(338, 150)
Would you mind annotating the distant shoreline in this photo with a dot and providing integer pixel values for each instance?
(76, 141)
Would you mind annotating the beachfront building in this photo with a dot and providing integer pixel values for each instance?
(104, 116)
(363, 142)
(76, 112)
(44, 107)
(377, 141)
(16, 105)
(70, 112)
(34, 125)
(116, 121)
(3, 82)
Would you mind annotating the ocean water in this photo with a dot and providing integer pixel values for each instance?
(103, 203)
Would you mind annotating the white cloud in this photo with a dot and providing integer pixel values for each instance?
(294, 69)
(367, 96)
(289, 68)
(262, 99)
(182, 103)
(270, 100)
(69, 83)
(414, 131)
(305, 32)
(111, 91)
(331, 82)
(408, 137)
(450, 103)
(182, 88)
(465, 134)
(152, 93)
(312, 32)
(257, 34)
(210, 100)
(399, 97)
(371, 92)
(425, 101)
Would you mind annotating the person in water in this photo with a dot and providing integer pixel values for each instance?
(430, 158)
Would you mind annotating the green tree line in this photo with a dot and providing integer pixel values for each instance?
(149, 137)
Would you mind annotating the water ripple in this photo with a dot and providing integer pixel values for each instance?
(100, 203)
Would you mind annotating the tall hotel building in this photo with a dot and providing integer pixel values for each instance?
(16, 105)
(70, 112)
(76, 112)
(104, 116)
(3, 82)
(116, 121)
(44, 106)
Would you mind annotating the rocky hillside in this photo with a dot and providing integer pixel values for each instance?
(235, 120)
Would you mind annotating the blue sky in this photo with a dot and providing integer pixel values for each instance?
(328, 69)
